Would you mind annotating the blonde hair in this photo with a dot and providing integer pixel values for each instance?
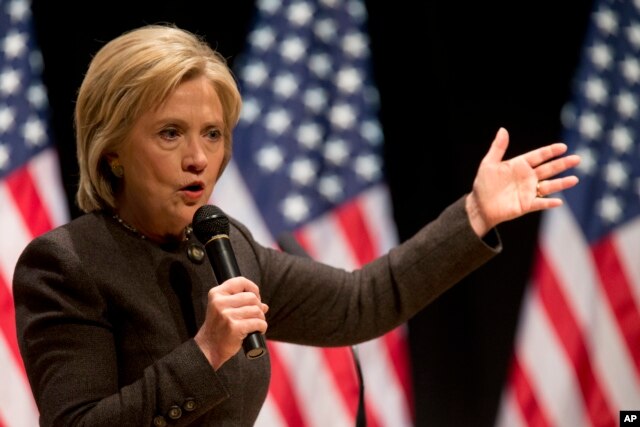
(129, 75)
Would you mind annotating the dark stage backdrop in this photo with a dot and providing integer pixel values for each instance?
(449, 75)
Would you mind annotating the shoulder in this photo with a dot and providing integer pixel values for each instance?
(87, 224)
(253, 256)
(242, 239)
(80, 234)
(238, 230)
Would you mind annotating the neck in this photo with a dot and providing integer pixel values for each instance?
(168, 238)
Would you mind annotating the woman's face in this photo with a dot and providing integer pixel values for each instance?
(171, 161)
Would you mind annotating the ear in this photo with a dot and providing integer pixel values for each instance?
(111, 157)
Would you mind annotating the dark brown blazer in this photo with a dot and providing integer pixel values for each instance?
(106, 319)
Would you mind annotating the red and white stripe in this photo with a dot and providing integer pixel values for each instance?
(33, 201)
(577, 357)
(319, 387)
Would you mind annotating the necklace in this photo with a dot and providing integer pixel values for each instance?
(187, 231)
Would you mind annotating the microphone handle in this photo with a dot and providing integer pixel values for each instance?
(225, 267)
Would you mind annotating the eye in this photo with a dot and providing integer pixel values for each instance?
(170, 133)
(214, 134)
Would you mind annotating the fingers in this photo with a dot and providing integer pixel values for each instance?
(551, 168)
(498, 147)
(545, 203)
(547, 162)
(234, 310)
(238, 298)
(541, 155)
(555, 185)
(238, 284)
(557, 166)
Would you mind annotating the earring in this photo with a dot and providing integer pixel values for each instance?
(117, 170)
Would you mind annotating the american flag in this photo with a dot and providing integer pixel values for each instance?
(577, 353)
(32, 198)
(308, 161)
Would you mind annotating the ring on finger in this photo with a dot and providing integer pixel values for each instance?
(538, 192)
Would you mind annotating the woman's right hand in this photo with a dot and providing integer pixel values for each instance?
(234, 310)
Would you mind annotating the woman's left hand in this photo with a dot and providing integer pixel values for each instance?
(507, 189)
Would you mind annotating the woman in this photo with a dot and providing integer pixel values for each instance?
(120, 319)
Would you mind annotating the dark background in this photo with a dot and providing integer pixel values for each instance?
(449, 75)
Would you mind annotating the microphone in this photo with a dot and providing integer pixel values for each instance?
(211, 227)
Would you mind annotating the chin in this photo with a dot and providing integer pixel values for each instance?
(190, 210)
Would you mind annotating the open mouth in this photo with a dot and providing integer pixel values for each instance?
(194, 190)
(193, 187)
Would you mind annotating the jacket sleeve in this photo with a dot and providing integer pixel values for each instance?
(315, 304)
(68, 348)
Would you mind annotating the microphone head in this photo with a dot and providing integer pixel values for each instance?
(209, 221)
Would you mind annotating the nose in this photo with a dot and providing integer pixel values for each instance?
(194, 158)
